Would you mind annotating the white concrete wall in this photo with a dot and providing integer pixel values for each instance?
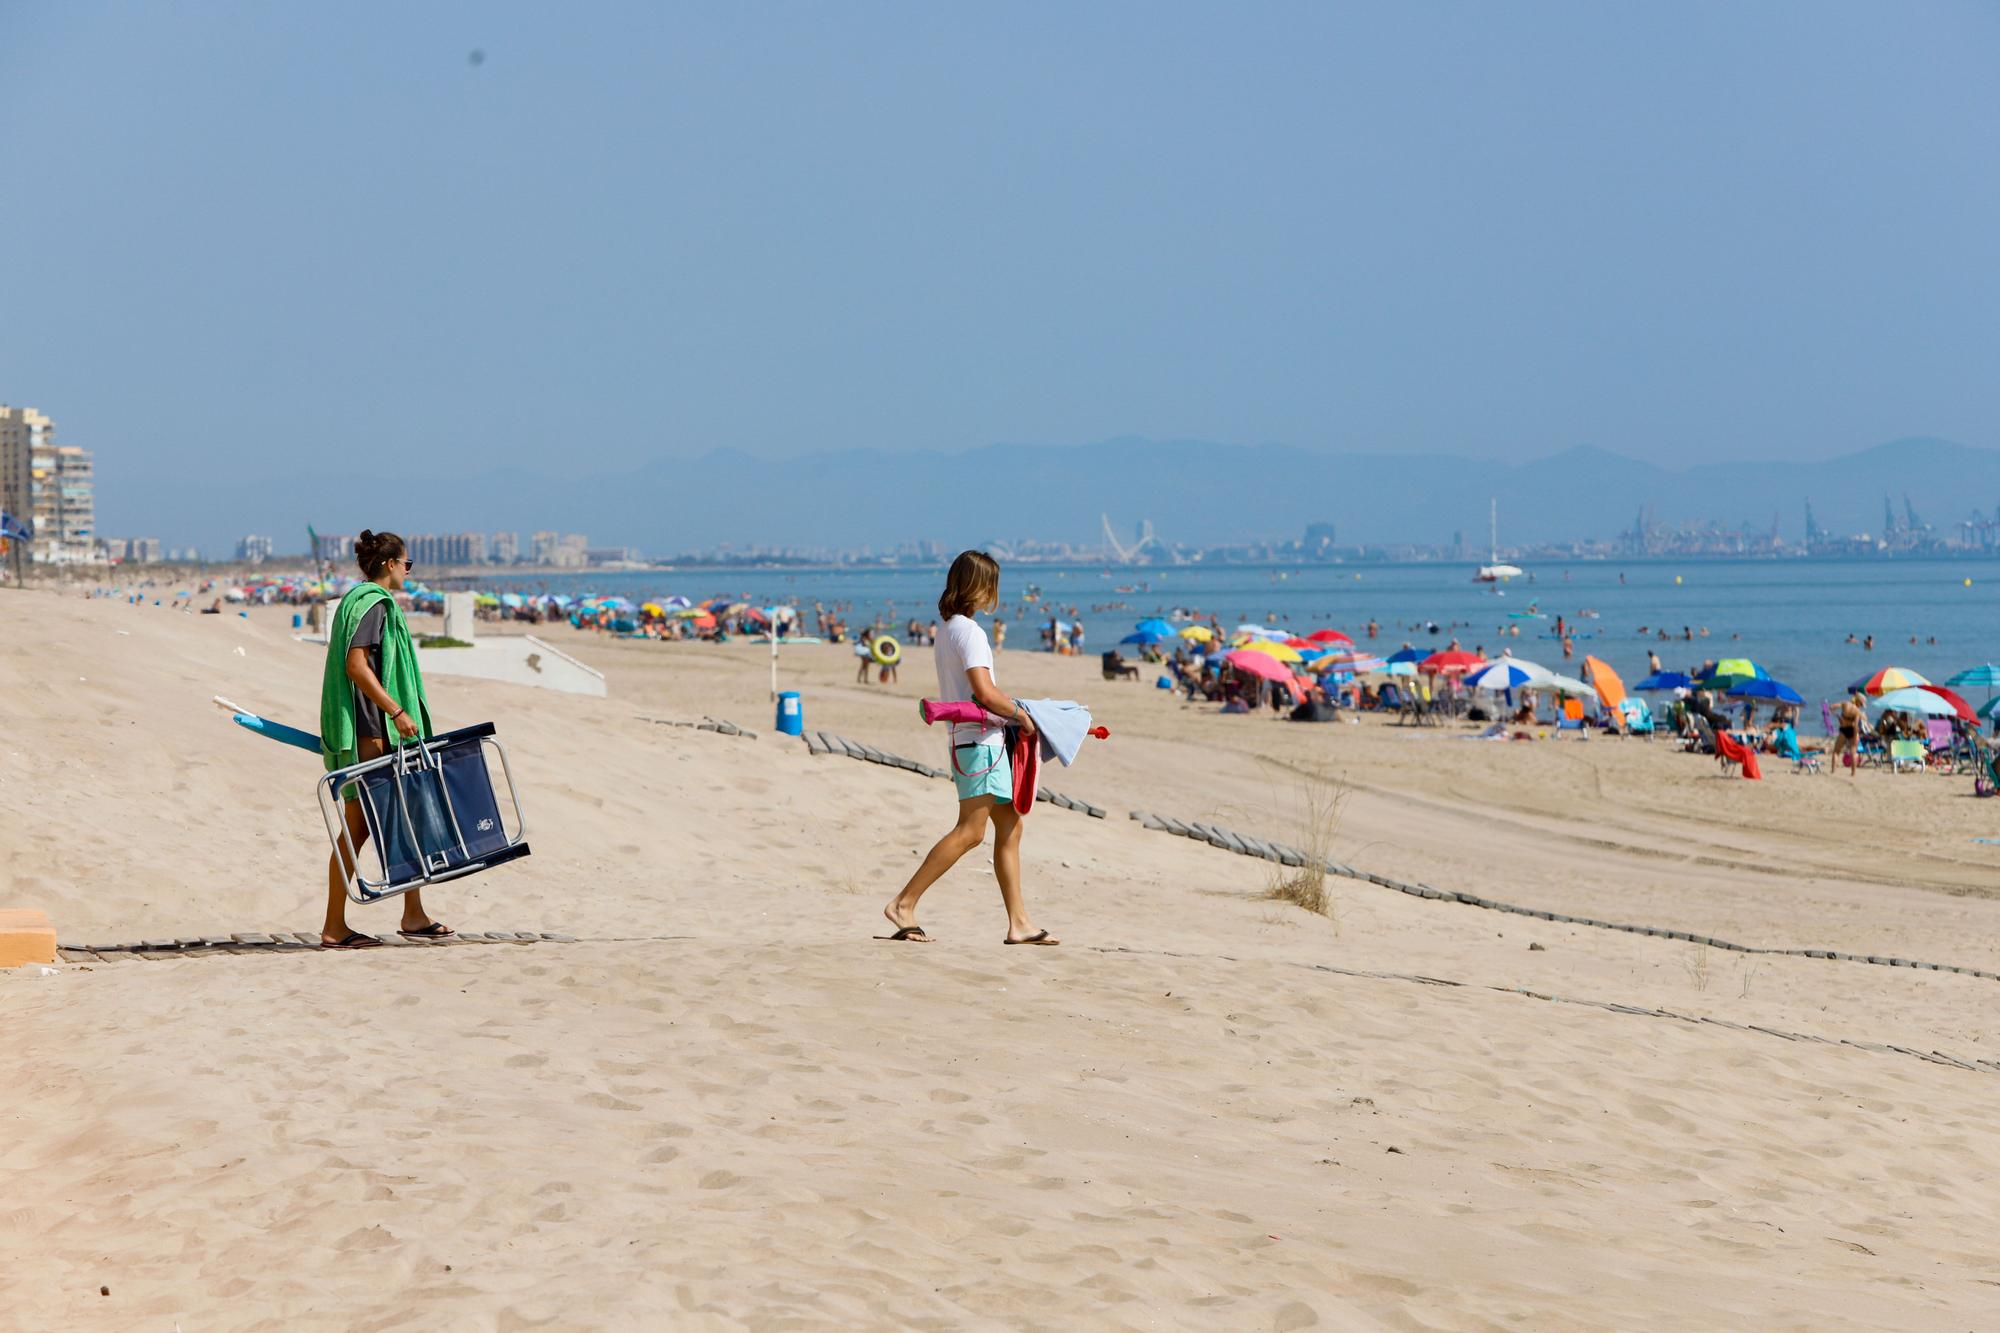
(516, 661)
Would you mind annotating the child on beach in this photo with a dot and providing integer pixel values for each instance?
(980, 767)
(864, 658)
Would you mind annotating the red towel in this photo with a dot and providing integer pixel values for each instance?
(1027, 757)
(1734, 750)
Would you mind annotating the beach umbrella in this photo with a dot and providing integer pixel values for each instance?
(1569, 685)
(1355, 663)
(653, 609)
(1954, 698)
(1407, 654)
(1887, 679)
(1665, 680)
(1258, 664)
(1774, 690)
(485, 599)
(1329, 636)
(1296, 642)
(1610, 689)
(1914, 699)
(1273, 649)
(1986, 674)
(1507, 674)
(1155, 625)
(1146, 636)
(703, 620)
(1400, 669)
(1261, 632)
(511, 599)
(1199, 633)
(1728, 672)
(1451, 662)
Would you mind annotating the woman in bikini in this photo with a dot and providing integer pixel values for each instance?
(979, 764)
(1849, 739)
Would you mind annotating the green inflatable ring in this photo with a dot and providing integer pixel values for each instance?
(886, 651)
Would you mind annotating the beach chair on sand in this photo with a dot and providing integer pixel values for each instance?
(1785, 744)
(1571, 719)
(1703, 739)
(1907, 756)
(1942, 743)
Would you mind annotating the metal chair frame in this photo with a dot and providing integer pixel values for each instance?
(435, 868)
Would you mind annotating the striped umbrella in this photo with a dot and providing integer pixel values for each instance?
(1508, 673)
(1889, 678)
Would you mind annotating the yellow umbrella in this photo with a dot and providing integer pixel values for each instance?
(1272, 648)
(652, 609)
(1199, 633)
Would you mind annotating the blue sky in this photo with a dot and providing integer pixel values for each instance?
(266, 236)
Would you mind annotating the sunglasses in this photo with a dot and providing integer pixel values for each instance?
(408, 564)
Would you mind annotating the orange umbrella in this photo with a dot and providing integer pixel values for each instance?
(1610, 689)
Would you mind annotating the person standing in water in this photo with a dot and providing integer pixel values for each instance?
(371, 696)
(980, 767)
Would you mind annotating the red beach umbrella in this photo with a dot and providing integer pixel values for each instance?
(1452, 662)
(1328, 636)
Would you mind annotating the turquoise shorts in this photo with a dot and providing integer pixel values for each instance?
(990, 771)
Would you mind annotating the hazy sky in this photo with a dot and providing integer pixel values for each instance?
(246, 235)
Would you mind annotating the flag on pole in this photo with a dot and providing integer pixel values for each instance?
(12, 529)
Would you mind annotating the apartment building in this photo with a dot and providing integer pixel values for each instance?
(49, 486)
(434, 551)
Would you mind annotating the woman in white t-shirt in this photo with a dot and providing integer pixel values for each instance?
(979, 762)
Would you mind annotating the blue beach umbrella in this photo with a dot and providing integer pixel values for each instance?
(1146, 636)
(1774, 690)
(1410, 655)
(1987, 674)
(1155, 625)
(1666, 680)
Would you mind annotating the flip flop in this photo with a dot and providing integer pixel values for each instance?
(436, 930)
(1039, 937)
(915, 934)
(353, 939)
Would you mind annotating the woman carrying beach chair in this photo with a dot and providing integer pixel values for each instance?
(980, 767)
(371, 696)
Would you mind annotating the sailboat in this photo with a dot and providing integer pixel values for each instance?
(1495, 572)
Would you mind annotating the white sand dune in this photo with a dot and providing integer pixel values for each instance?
(728, 1105)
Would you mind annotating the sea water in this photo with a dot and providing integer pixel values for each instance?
(1793, 616)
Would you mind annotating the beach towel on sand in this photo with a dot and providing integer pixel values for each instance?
(399, 674)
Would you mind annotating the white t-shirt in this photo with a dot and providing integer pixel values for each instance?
(961, 645)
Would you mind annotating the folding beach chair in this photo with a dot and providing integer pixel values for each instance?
(1942, 744)
(1572, 717)
(432, 813)
(1907, 756)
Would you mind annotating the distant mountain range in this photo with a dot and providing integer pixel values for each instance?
(1194, 492)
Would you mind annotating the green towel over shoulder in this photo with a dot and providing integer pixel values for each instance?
(400, 676)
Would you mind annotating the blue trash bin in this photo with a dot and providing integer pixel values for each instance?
(791, 714)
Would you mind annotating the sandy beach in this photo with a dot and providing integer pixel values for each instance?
(727, 1104)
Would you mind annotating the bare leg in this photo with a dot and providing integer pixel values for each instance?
(338, 868)
(968, 833)
(1007, 869)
